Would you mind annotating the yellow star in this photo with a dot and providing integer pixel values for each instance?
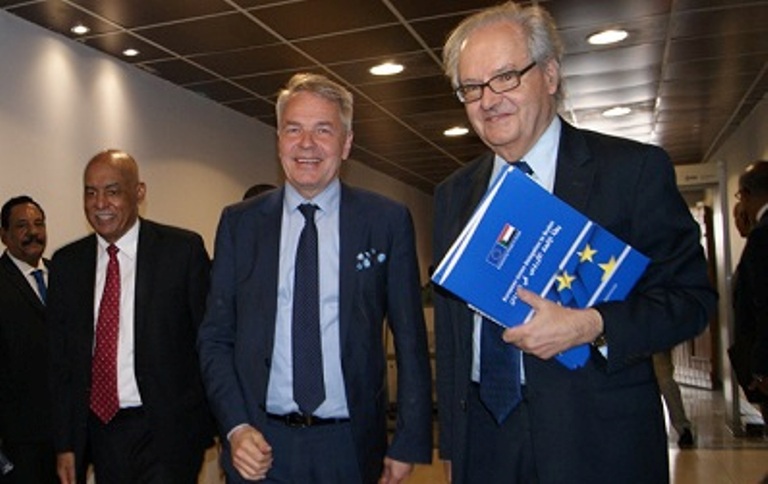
(565, 281)
(608, 268)
(586, 254)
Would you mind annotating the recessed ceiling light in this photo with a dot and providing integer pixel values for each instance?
(456, 131)
(616, 112)
(386, 69)
(79, 29)
(607, 37)
(130, 52)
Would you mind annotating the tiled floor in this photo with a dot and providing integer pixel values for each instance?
(718, 458)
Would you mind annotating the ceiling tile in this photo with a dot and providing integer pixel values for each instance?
(719, 46)
(435, 31)
(60, 17)
(717, 21)
(327, 17)
(251, 61)
(365, 44)
(115, 43)
(131, 13)
(177, 71)
(411, 10)
(405, 89)
(269, 85)
(597, 14)
(220, 91)
(254, 107)
(416, 64)
(614, 59)
(211, 34)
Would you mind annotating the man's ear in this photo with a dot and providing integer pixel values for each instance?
(551, 71)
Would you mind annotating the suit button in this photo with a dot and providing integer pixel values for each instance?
(463, 405)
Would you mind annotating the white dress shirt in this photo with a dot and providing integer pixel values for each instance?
(542, 159)
(127, 388)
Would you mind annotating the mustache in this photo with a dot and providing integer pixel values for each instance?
(33, 239)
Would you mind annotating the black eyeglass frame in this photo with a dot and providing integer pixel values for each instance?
(480, 88)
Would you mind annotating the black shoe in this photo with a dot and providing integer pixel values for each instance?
(686, 439)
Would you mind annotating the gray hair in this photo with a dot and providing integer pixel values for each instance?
(544, 43)
(321, 86)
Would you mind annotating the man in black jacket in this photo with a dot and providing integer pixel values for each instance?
(749, 354)
(25, 428)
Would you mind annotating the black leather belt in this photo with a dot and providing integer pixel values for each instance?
(296, 419)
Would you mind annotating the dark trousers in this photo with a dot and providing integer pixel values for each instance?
(321, 455)
(495, 453)
(124, 451)
(33, 463)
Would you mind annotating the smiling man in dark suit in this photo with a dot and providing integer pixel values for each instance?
(25, 421)
(125, 304)
(278, 424)
(602, 423)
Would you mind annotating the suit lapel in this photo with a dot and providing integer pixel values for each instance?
(146, 267)
(477, 185)
(353, 230)
(467, 196)
(268, 227)
(574, 173)
(20, 281)
(85, 273)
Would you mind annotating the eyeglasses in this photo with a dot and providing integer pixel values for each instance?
(506, 81)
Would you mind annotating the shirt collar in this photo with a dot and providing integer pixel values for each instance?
(326, 200)
(761, 212)
(542, 158)
(128, 243)
(24, 267)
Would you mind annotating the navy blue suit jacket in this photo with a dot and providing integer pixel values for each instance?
(237, 335)
(172, 275)
(602, 423)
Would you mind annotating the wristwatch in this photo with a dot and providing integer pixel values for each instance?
(600, 341)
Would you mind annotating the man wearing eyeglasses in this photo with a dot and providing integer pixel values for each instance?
(602, 423)
(749, 353)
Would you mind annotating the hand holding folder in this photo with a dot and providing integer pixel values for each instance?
(523, 236)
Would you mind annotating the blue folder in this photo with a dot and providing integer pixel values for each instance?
(522, 235)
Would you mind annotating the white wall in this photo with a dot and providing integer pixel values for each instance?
(62, 102)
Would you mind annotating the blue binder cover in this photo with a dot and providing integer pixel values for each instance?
(522, 235)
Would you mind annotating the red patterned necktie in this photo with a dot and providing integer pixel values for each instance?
(104, 400)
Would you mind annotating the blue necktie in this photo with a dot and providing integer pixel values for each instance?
(308, 384)
(499, 372)
(500, 361)
(40, 279)
(523, 166)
